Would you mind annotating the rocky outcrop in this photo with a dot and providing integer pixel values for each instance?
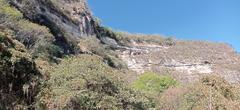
(63, 16)
(187, 61)
(68, 20)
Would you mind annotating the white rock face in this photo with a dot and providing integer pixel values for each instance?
(129, 56)
(183, 62)
(199, 68)
(191, 68)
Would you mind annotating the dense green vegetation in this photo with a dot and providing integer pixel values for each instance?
(151, 82)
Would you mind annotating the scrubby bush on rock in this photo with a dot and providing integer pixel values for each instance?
(19, 77)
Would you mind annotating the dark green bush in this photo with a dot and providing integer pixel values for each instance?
(16, 70)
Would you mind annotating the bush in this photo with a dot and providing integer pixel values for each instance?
(142, 38)
(153, 83)
(125, 38)
(17, 71)
(33, 36)
(115, 62)
(8, 14)
(211, 92)
(91, 44)
(85, 82)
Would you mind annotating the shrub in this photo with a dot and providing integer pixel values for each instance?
(125, 38)
(17, 70)
(33, 36)
(211, 92)
(8, 14)
(91, 44)
(85, 82)
(153, 83)
(115, 62)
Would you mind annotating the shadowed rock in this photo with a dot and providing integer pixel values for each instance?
(68, 20)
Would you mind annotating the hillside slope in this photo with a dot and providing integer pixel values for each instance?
(55, 55)
(186, 61)
(19, 75)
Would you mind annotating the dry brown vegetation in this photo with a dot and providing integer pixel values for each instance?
(85, 82)
(210, 92)
(127, 39)
(18, 74)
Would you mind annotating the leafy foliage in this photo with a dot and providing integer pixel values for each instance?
(151, 82)
(17, 70)
(85, 82)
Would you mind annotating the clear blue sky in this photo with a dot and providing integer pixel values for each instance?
(214, 20)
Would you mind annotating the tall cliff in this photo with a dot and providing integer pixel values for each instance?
(68, 20)
(62, 16)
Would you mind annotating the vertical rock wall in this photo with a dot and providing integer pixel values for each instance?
(68, 20)
(68, 16)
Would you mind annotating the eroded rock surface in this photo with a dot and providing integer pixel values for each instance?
(64, 16)
(68, 20)
(186, 61)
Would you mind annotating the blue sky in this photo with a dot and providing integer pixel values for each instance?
(214, 20)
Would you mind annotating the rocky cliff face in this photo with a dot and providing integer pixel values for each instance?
(68, 20)
(187, 61)
(63, 16)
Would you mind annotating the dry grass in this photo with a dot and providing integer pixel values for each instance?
(128, 39)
